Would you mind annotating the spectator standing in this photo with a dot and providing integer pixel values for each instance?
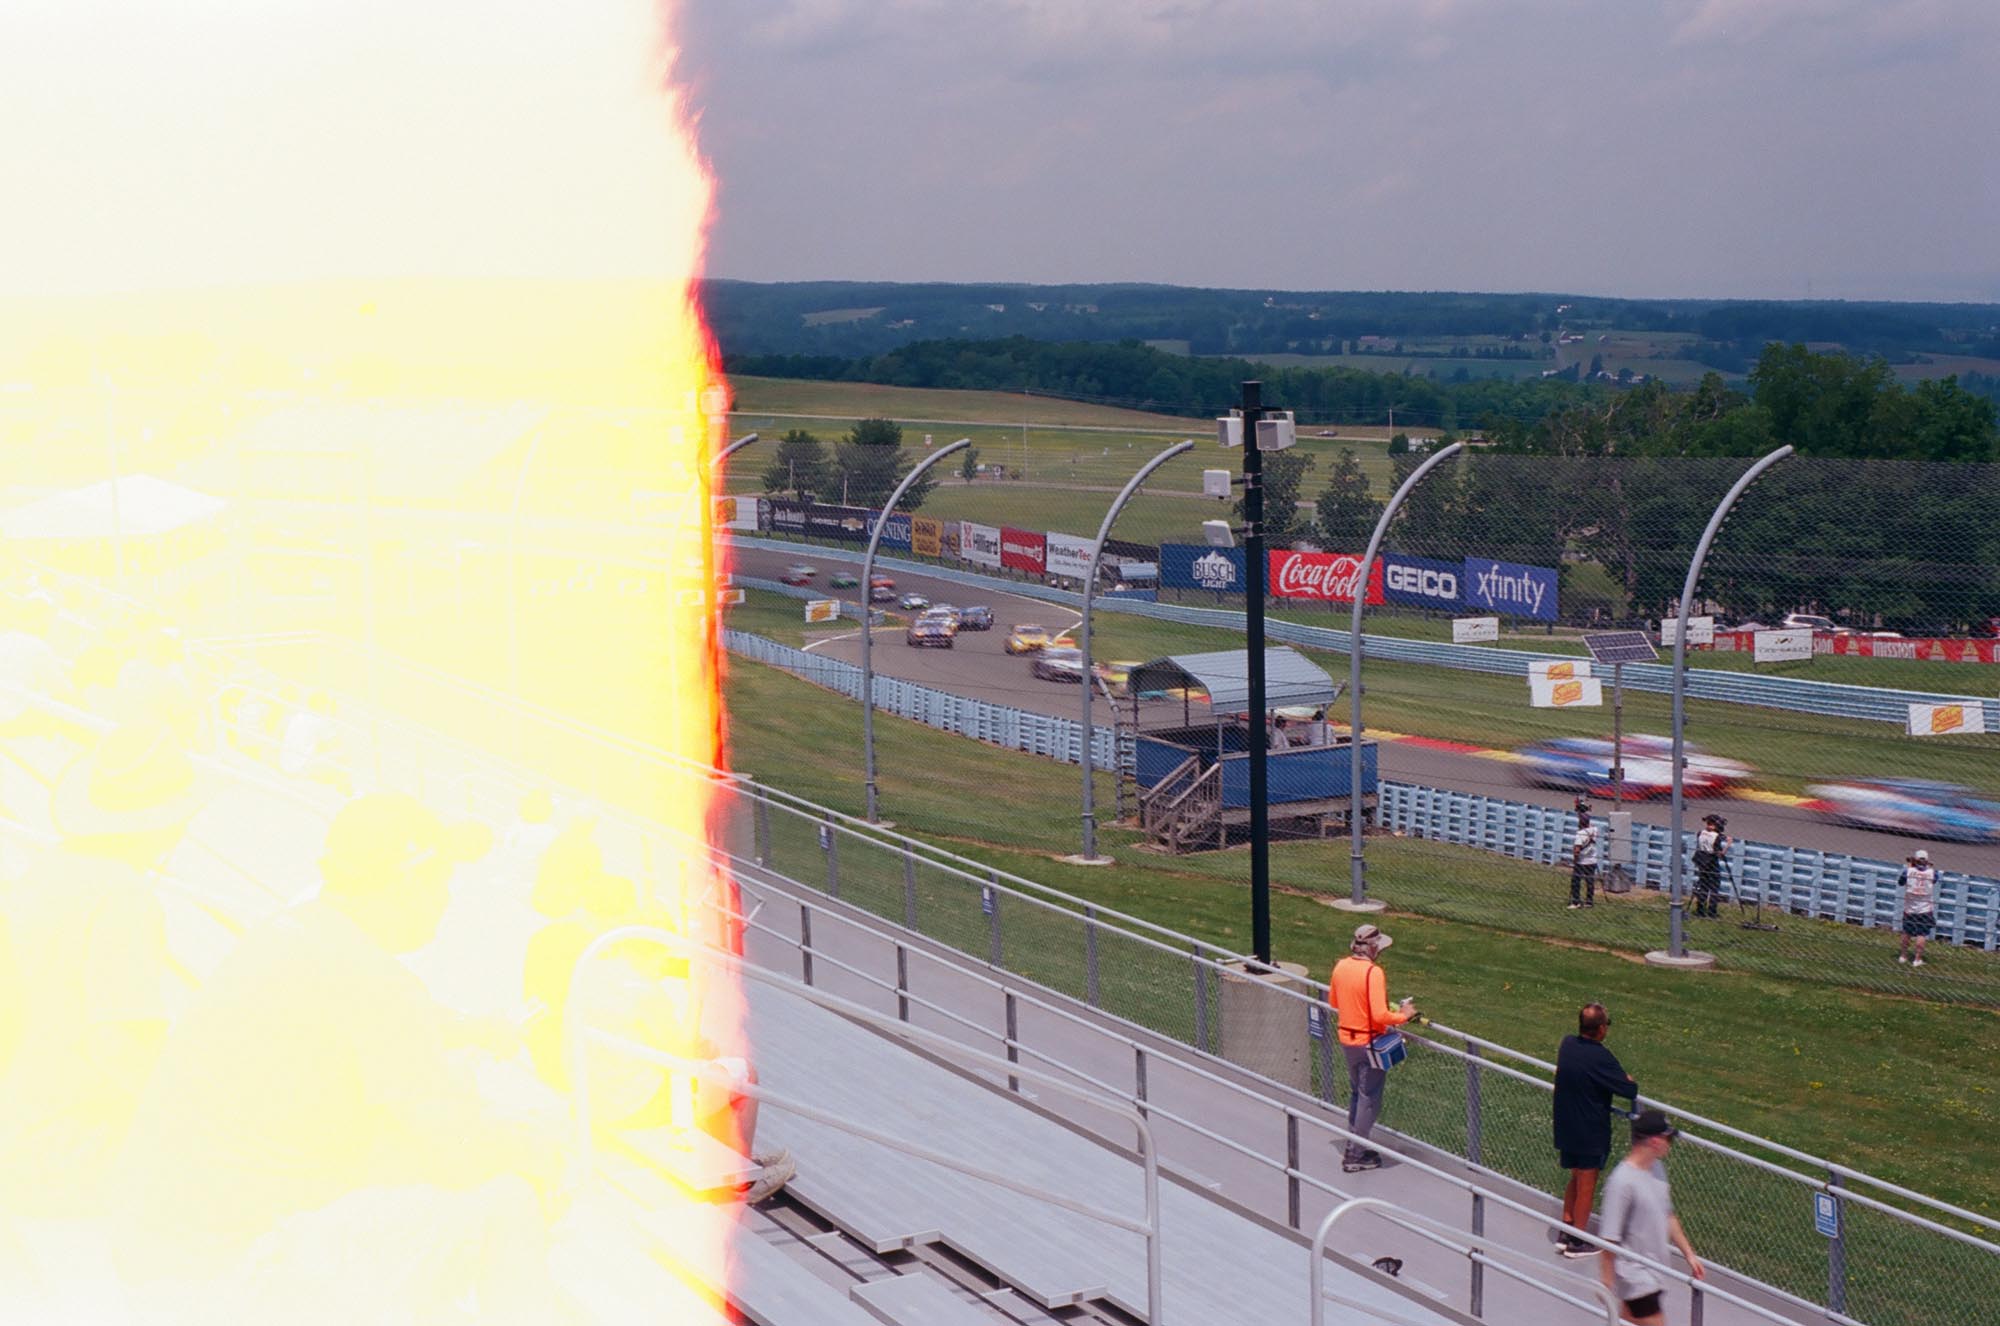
(1639, 1217)
(1711, 849)
(1360, 994)
(1583, 860)
(1587, 1076)
(1919, 885)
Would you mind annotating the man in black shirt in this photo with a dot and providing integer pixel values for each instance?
(1587, 1077)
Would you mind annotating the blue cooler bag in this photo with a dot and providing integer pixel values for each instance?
(1387, 1050)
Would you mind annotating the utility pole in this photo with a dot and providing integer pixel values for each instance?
(1254, 566)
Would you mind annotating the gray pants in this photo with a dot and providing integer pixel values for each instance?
(1364, 1095)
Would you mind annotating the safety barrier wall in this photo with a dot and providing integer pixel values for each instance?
(1829, 886)
(1830, 699)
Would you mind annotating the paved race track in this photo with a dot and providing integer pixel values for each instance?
(977, 665)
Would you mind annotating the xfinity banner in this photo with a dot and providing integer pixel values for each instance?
(1324, 577)
(980, 544)
(1517, 591)
(1421, 582)
(1023, 550)
(1193, 566)
(1068, 556)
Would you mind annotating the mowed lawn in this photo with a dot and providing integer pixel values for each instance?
(1902, 1088)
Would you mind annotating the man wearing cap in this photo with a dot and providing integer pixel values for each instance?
(1360, 994)
(1587, 1076)
(1639, 1218)
(1711, 849)
(1583, 860)
(1919, 885)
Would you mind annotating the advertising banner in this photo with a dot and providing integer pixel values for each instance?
(954, 531)
(1195, 566)
(737, 512)
(1068, 556)
(1421, 582)
(1474, 630)
(843, 524)
(1781, 646)
(1023, 550)
(1938, 720)
(824, 610)
(1321, 577)
(981, 545)
(1504, 587)
(1559, 669)
(1701, 630)
(1570, 693)
(896, 533)
(927, 537)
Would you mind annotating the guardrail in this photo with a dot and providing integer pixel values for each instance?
(1828, 699)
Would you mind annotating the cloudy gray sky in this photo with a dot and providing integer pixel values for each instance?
(1765, 148)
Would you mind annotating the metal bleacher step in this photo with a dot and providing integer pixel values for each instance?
(918, 1299)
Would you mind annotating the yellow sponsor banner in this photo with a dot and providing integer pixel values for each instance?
(926, 536)
(822, 610)
(1937, 720)
(1577, 692)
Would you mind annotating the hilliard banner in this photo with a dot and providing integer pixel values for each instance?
(980, 544)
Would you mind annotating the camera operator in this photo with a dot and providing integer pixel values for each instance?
(1711, 849)
(1583, 859)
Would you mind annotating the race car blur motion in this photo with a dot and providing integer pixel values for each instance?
(1026, 638)
(1583, 764)
(1059, 663)
(1913, 806)
(932, 632)
(977, 617)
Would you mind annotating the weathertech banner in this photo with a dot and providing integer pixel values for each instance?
(927, 536)
(1023, 550)
(979, 544)
(1068, 556)
(1323, 577)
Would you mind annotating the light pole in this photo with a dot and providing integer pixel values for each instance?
(715, 463)
(1676, 954)
(1253, 641)
(867, 636)
(1089, 855)
(1357, 897)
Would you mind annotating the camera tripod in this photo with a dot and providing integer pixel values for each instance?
(1756, 921)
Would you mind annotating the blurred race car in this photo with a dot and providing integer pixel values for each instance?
(1026, 638)
(978, 617)
(945, 610)
(1116, 676)
(1059, 663)
(843, 580)
(932, 632)
(1583, 764)
(1914, 806)
(944, 619)
(798, 574)
(913, 603)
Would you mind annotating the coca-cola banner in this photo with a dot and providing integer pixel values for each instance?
(979, 544)
(1023, 550)
(1325, 577)
(1068, 556)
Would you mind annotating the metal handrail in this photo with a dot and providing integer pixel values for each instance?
(931, 1041)
(1414, 1222)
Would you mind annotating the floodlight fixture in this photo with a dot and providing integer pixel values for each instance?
(1218, 533)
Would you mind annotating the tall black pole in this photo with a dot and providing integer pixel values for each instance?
(1253, 593)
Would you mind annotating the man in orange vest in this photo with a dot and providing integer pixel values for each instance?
(1359, 992)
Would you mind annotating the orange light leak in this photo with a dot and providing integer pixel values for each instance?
(358, 610)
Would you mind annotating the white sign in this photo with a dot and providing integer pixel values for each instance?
(1701, 630)
(822, 610)
(1565, 693)
(1938, 720)
(1067, 556)
(980, 544)
(1558, 669)
(729, 597)
(1778, 646)
(736, 512)
(1471, 630)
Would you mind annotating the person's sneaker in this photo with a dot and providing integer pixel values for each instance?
(1573, 1247)
(779, 1167)
(1916, 962)
(1366, 1160)
(1903, 958)
(1575, 905)
(1590, 902)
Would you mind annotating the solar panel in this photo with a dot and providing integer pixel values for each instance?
(1621, 647)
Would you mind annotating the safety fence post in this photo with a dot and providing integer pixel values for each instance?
(1090, 991)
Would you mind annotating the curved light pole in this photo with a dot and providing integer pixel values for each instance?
(1357, 897)
(1089, 855)
(715, 462)
(867, 584)
(1677, 954)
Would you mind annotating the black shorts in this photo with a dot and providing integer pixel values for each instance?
(1582, 1159)
(1918, 924)
(1646, 1305)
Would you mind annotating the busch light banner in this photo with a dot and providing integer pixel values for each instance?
(1321, 577)
(1504, 587)
(926, 536)
(1421, 582)
(1023, 550)
(980, 544)
(1068, 556)
(1194, 566)
(896, 533)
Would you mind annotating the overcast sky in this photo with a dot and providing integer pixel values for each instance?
(1759, 148)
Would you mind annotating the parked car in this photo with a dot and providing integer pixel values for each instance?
(1059, 663)
(978, 617)
(1812, 621)
(798, 573)
(931, 632)
(843, 580)
(1583, 764)
(1026, 638)
(1915, 806)
(913, 603)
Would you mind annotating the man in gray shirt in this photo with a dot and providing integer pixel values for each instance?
(1639, 1216)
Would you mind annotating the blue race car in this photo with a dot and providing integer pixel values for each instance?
(1583, 764)
(1913, 806)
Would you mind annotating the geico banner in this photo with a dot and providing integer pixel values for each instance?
(1023, 550)
(1324, 577)
(1565, 693)
(1505, 587)
(896, 531)
(1068, 556)
(927, 536)
(738, 512)
(1780, 646)
(1942, 720)
(1195, 566)
(1559, 669)
(1421, 582)
(980, 544)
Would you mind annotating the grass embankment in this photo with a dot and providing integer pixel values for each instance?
(1866, 1079)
